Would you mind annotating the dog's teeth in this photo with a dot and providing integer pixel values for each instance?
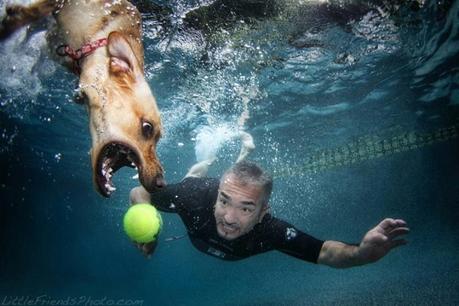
(133, 165)
(106, 163)
(109, 187)
(104, 172)
(110, 170)
(135, 177)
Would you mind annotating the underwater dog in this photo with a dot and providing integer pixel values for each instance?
(102, 40)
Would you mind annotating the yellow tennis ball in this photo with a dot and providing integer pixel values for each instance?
(142, 223)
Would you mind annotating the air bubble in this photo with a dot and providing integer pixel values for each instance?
(58, 157)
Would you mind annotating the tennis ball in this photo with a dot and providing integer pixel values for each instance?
(142, 223)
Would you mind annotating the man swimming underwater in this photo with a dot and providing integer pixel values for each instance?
(230, 219)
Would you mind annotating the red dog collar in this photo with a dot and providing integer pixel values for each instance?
(77, 55)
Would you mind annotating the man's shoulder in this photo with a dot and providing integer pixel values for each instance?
(269, 221)
(274, 227)
(189, 194)
(199, 192)
(204, 183)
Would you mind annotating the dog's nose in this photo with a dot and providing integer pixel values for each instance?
(159, 181)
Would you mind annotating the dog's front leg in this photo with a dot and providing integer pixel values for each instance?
(18, 16)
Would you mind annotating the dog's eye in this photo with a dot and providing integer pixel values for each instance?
(147, 129)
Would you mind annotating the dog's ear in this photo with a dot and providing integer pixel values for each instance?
(122, 58)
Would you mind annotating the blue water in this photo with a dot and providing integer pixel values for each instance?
(375, 78)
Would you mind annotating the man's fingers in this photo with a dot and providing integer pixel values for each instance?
(398, 231)
(388, 224)
(400, 222)
(146, 250)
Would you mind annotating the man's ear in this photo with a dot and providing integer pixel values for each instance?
(264, 211)
(122, 58)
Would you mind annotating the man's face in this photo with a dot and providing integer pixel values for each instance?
(238, 207)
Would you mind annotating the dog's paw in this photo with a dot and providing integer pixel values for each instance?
(13, 20)
(14, 11)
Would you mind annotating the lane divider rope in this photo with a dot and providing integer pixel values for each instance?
(367, 148)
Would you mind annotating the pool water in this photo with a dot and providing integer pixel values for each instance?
(356, 120)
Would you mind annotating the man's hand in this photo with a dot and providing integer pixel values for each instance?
(140, 195)
(381, 239)
(375, 244)
(146, 248)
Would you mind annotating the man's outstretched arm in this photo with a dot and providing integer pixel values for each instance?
(165, 199)
(375, 244)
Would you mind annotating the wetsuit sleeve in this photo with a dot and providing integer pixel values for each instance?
(292, 241)
(167, 199)
(182, 196)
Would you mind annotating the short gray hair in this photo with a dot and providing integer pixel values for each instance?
(249, 173)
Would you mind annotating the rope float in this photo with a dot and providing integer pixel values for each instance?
(367, 148)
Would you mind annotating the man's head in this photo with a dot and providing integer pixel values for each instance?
(242, 200)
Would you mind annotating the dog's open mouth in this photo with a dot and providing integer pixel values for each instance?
(111, 158)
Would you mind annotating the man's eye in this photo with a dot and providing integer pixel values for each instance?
(246, 210)
(223, 202)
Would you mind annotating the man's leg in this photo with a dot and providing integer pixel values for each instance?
(247, 145)
(200, 169)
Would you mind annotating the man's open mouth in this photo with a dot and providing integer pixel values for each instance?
(228, 228)
(112, 157)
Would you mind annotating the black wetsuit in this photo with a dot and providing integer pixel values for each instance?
(194, 198)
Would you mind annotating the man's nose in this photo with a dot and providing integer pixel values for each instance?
(230, 216)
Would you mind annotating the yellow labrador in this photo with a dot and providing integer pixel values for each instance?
(104, 40)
